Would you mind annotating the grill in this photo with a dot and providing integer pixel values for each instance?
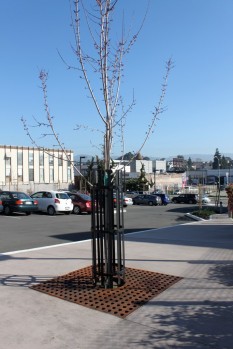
(140, 286)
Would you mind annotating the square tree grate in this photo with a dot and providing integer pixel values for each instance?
(140, 286)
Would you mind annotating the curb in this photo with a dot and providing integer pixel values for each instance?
(195, 218)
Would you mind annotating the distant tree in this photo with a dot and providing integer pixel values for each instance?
(146, 158)
(224, 163)
(132, 184)
(89, 173)
(128, 156)
(216, 160)
(189, 164)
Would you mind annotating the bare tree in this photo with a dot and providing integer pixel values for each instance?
(105, 63)
(105, 60)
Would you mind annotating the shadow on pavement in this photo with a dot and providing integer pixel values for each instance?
(192, 324)
(217, 236)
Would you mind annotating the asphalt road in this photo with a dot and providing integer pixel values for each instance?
(19, 232)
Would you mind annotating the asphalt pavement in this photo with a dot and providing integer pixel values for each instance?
(196, 312)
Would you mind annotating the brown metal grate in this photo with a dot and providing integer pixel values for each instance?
(77, 287)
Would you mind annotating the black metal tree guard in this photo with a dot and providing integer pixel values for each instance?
(107, 227)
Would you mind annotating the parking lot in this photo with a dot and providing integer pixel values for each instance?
(19, 232)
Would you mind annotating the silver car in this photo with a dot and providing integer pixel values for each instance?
(146, 199)
(53, 202)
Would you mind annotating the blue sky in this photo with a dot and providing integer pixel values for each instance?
(196, 34)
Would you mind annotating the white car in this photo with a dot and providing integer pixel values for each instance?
(205, 199)
(127, 201)
(53, 202)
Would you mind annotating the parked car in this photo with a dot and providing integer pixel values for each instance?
(15, 201)
(177, 192)
(157, 191)
(133, 192)
(205, 199)
(1, 206)
(164, 197)
(81, 202)
(185, 198)
(53, 202)
(124, 200)
(127, 201)
(147, 199)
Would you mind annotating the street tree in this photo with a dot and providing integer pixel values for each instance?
(101, 69)
(105, 61)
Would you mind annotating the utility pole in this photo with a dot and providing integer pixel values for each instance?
(80, 170)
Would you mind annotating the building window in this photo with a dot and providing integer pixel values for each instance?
(8, 167)
(31, 174)
(60, 161)
(41, 164)
(20, 165)
(31, 165)
(31, 158)
(41, 174)
(41, 158)
(20, 158)
(69, 174)
(51, 160)
(51, 174)
(68, 160)
(20, 173)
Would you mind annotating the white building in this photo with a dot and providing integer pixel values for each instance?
(136, 166)
(159, 166)
(121, 165)
(30, 169)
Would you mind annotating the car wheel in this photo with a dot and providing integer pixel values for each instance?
(175, 201)
(150, 203)
(7, 210)
(51, 211)
(191, 202)
(76, 210)
(28, 213)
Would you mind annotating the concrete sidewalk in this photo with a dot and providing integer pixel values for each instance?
(196, 312)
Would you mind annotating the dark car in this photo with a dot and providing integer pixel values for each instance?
(1, 207)
(185, 198)
(164, 197)
(146, 199)
(14, 201)
(81, 202)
